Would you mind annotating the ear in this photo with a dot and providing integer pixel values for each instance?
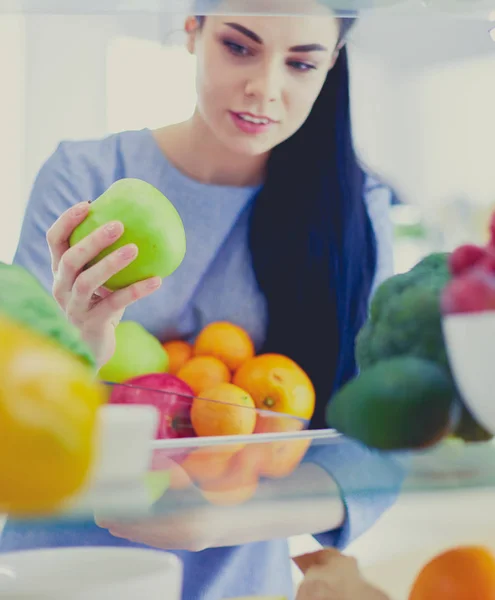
(191, 28)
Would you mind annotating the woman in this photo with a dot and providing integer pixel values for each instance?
(280, 241)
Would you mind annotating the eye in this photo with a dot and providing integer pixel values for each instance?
(301, 66)
(236, 49)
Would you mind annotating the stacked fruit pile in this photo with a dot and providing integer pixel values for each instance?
(215, 386)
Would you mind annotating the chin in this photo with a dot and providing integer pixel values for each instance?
(250, 146)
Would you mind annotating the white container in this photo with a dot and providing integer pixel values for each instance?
(470, 342)
(90, 574)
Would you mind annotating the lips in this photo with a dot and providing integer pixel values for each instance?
(250, 123)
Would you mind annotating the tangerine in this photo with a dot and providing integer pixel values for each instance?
(204, 464)
(227, 342)
(179, 352)
(203, 372)
(240, 481)
(225, 409)
(277, 383)
(463, 573)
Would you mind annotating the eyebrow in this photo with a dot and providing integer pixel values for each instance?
(256, 38)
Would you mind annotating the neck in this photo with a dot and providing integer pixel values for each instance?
(194, 150)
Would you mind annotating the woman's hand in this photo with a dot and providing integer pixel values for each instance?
(330, 575)
(79, 290)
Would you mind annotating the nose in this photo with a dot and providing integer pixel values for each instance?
(265, 82)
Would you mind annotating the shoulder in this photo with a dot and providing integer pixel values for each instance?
(84, 169)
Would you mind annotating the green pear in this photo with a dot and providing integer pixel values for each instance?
(150, 221)
(137, 352)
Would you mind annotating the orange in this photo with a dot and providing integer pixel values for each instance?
(223, 410)
(204, 464)
(179, 479)
(277, 423)
(463, 573)
(203, 372)
(228, 342)
(277, 383)
(240, 481)
(281, 458)
(179, 352)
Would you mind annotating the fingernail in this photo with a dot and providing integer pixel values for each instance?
(112, 229)
(154, 283)
(128, 251)
(80, 209)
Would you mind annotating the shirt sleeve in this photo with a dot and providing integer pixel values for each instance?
(378, 199)
(56, 189)
(369, 481)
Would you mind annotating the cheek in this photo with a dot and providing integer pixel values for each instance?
(214, 86)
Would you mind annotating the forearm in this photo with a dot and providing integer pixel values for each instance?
(308, 501)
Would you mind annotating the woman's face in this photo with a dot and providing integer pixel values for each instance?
(258, 77)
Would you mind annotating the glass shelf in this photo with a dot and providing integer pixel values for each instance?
(467, 8)
(188, 476)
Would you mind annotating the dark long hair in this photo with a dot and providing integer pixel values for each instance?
(312, 243)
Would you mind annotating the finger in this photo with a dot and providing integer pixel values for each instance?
(320, 557)
(76, 258)
(91, 280)
(103, 292)
(59, 233)
(121, 299)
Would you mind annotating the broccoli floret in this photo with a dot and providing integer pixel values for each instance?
(405, 316)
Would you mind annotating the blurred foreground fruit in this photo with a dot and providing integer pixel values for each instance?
(403, 402)
(203, 372)
(48, 406)
(169, 394)
(227, 342)
(464, 573)
(277, 383)
(223, 410)
(137, 352)
(150, 221)
(23, 299)
(179, 352)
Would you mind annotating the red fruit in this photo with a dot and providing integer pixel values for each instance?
(470, 293)
(169, 394)
(488, 262)
(465, 257)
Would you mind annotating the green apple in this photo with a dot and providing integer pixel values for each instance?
(157, 483)
(150, 221)
(137, 352)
